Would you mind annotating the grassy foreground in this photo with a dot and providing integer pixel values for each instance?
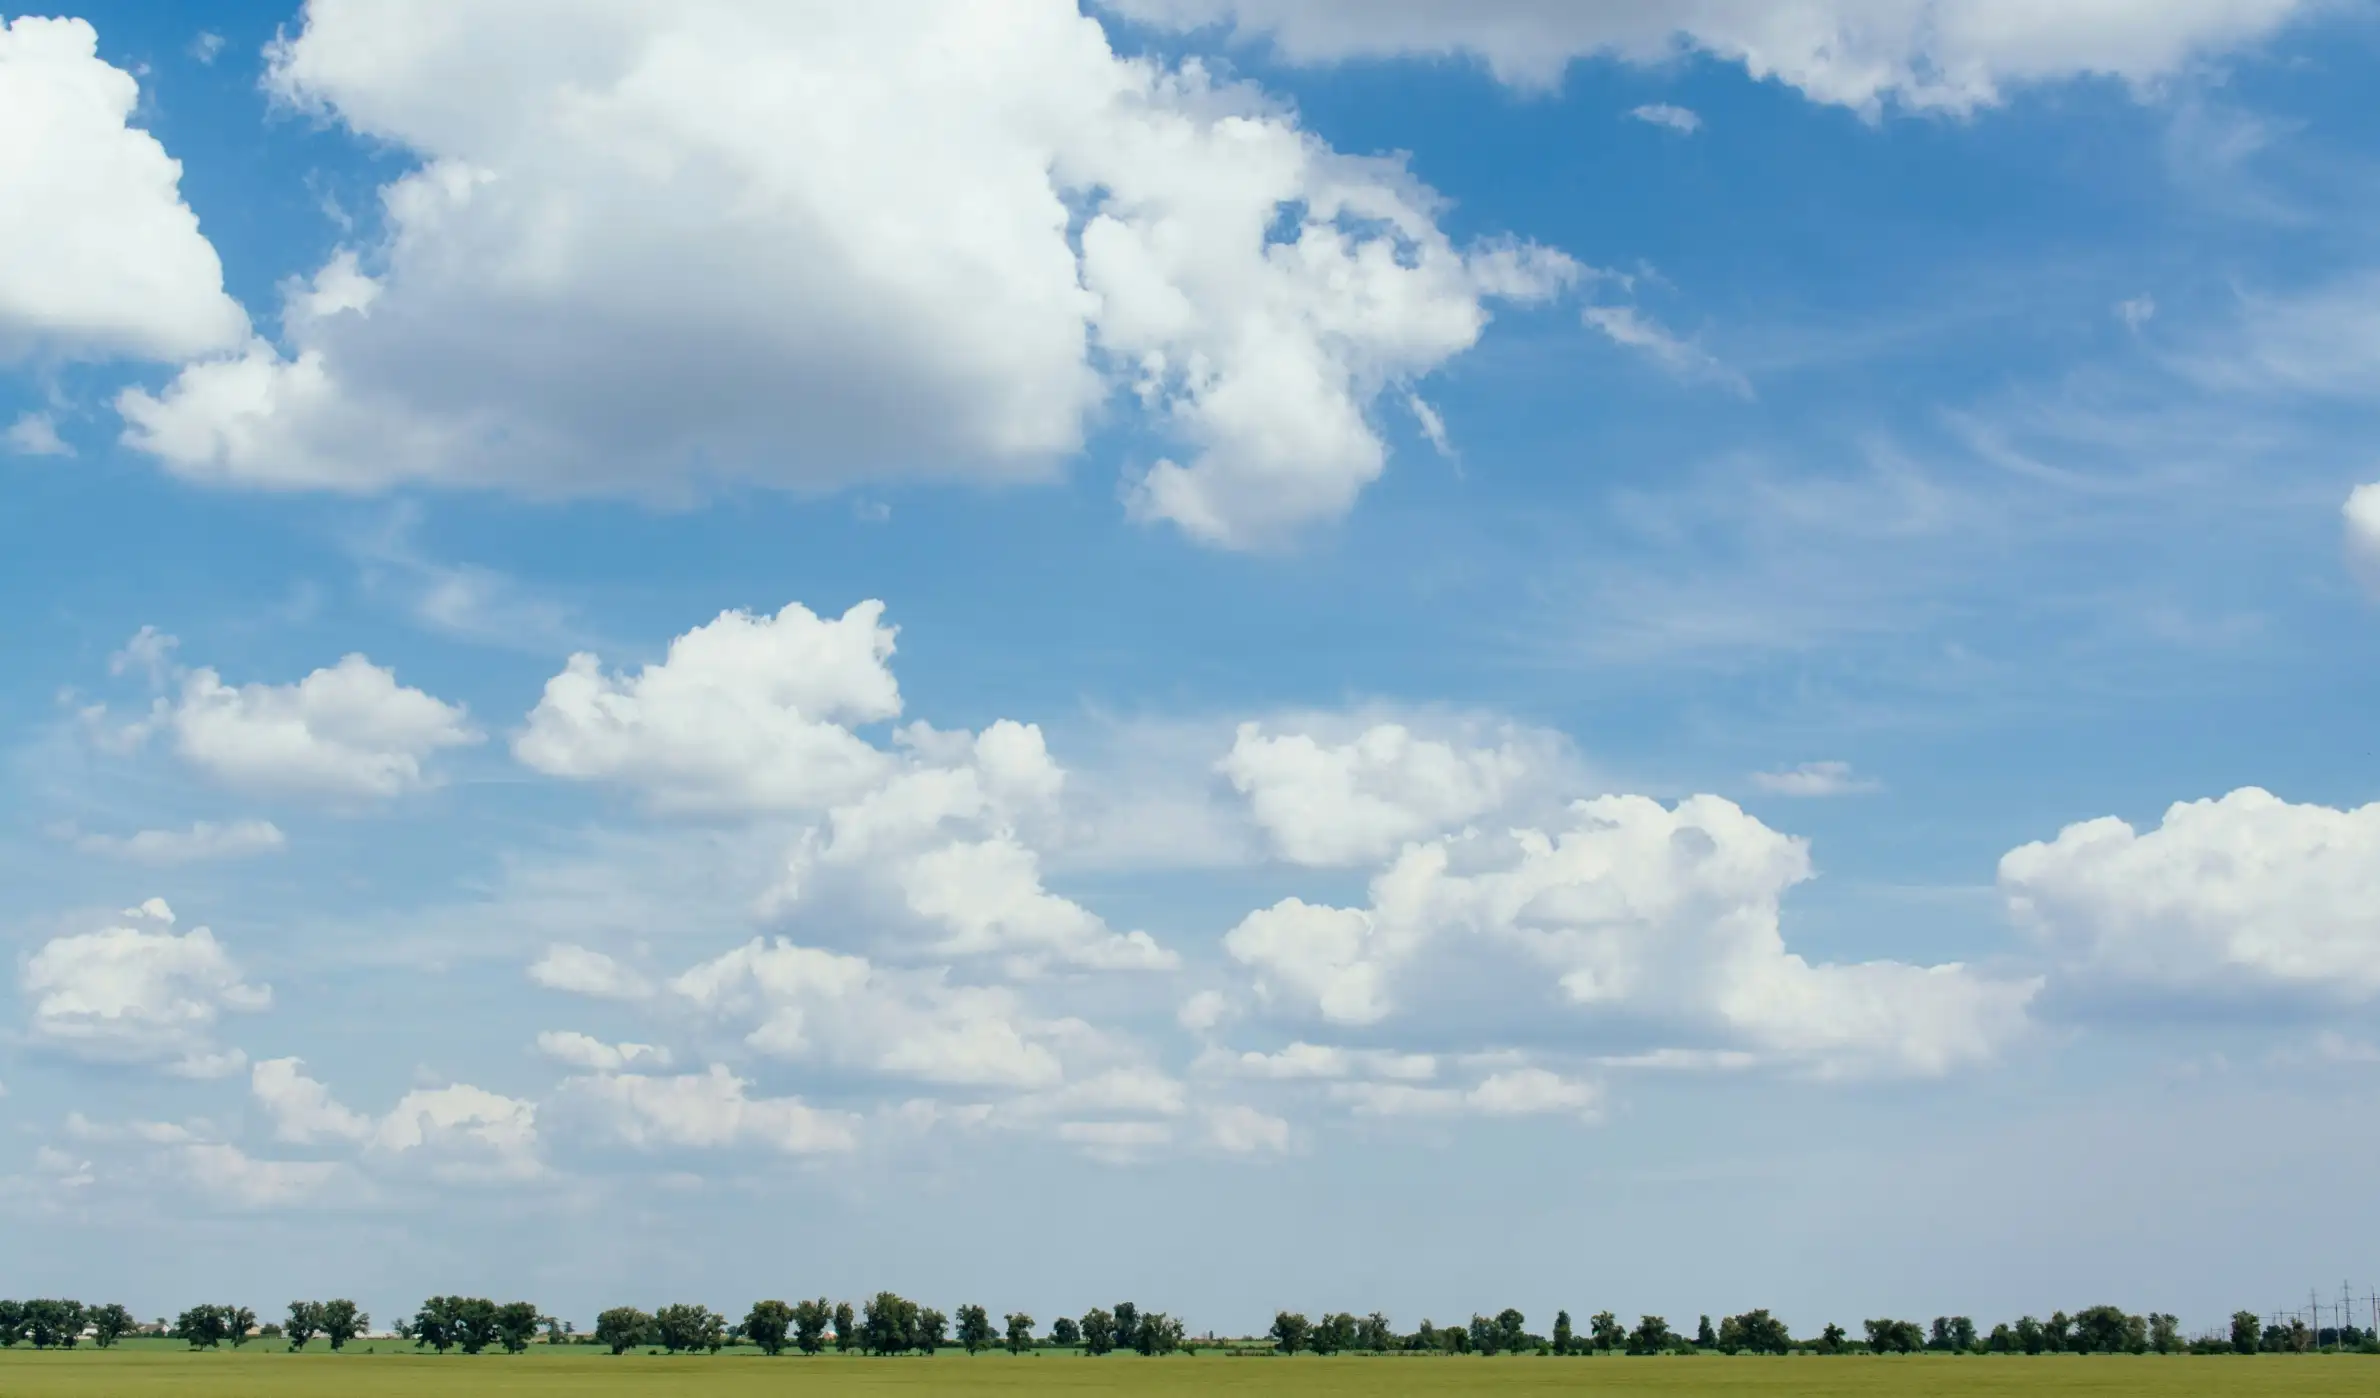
(260, 1374)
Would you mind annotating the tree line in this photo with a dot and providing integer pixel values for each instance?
(891, 1324)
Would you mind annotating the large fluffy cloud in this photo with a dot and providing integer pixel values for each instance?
(1945, 55)
(705, 1111)
(2247, 894)
(1655, 915)
(1356, 801)
(98, 253)
(458, 1132)
(649, 244)
(140, 993)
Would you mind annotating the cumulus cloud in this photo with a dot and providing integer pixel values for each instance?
(1636, 911)
(1816, 779)
(302, 1109)
(1301, 1061)
(35, 434)
(1243, 1130)
(98, 254)
(2242, 895)
(458, 1132)
(576, 970)
(1515, 1092)
(713, 240)
(204, 840)
(140, 993)
(1679, 119)
(2362, 516)
(1926, 55)
(590, 1054)
(710, 1110)
(242, 1181)
(1355, 802)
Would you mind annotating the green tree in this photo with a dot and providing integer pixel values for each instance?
(1157, 1333)
(886, 1324)
(474, 1321)
(2165, 1333)
(1832, 1339)
(1704, 1336)
(516, 1325)
(847, 1335)
(341, 1322)
(1563, 1338)
(1605, 1332)
(975, 1329)
(2003, 1340)
(2057, 1333)
(1652, 1335)
(1512, 1332)
(684, 1328)
(1895, 1336)
(53, 1324)
(623, 1328)
(1099, 1331)
(1127, 1325)
(1962, 1334)
(1375, 1334)
(1756, 1331)
(767, 1324)
(1020, 1332)
(202, 1327)
(110, 1323)
(1290, 1330)
(2245, 1332)
(1064, 1333)
(2031, 1337)
(305, 1322)
(238, 1322)
(810, 1321)
(435, 1323)
(927, 1329)
(12, 1323)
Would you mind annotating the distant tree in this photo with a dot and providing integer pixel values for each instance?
(847, 1336)
(1757, 1331)
(767, 1324)
(1483, 1334)
(1331, 1334)
(1704, 1336)
(975, 1329)
(1020, 1332)
(2003, 1339)
(928, 1328)
(810, 1322)
(1563, 1338)
(623, 1328)
(1652, 1335)
(2031, 1337)
(1832, 1338)
(1127, 1325)
(1605, 1332)
(683, 1328)
(1375, 1334)
(1939, 1337)
(2165, 1333)
(1512, 1332)
(1158, 1333)
(109, 1324)
(435, 1323)
(238, 1324)
(474, 1320)
(305, 1322)
(1962, 1334)
(1289, 1332)
(516, 1325)
(341, 1322)
(2245, 1332)
(2057, 1333)
(53, 1324)
(12, 1323)
(1064, 1333)
(1895, 1337)
(886, 1323)
(1099, 1331)
(202, 1327)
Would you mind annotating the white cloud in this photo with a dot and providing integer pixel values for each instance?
(1516, 1092)
(1355, 802)
(207, 47)
(140, 994)
(1679, 119)
(1639, 913)
(706, 1111)
(1203, 1011)
(2136, 311)
(2362, 516)
(579, 971)
(1243, 1130)
(35, 434)
(98, 253)
(302, 1109)
(463, 1132)
(343, 733)
(1301, 1061)
(204, 840)
(714, 240)
(1816, 779)
(1632, 329)
(242, 1181)
(1928, 55)
(2243, 895)
(1116, 1142)
(592, 1055)
(745, 714)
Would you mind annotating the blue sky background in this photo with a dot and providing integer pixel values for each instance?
(1910, 493)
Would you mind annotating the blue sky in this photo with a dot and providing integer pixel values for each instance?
(1683, 662)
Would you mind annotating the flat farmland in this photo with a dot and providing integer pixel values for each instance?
(136, 1373)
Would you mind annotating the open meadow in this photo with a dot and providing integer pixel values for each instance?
(142, 1372)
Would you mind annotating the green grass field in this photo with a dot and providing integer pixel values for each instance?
(256, 1373)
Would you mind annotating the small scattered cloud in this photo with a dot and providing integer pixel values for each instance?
(870, 511)
(207, 47)
(1679, 119)
(204, 840)
(1816, 779)
(36, 434)
(1432, 425)
(2137, 312)
(2361, 514)
(1632, 329)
